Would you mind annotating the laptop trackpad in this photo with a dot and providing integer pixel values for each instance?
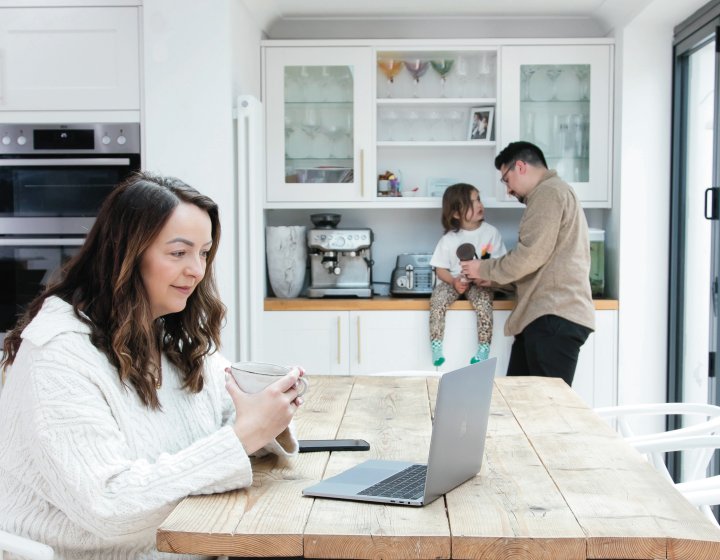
(370, 472)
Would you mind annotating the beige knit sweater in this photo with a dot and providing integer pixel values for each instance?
(550, 266)
(89, 470)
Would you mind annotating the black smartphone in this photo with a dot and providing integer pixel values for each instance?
(308, 445)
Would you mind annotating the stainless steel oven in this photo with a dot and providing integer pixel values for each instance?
(53, 179)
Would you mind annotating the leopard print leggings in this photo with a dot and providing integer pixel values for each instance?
(481, 299)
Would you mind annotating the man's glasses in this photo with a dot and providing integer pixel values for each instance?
(503, 179)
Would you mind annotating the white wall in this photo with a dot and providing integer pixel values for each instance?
(641, 210)
(198, 55)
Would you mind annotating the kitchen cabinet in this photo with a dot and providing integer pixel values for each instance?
(318, 102)
(341, 114)
(83, 58)
(347, 342)
(426, 104)
(560, 98)
(365, 342)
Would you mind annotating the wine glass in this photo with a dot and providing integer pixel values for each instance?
(434, 121)
(389, 117)
(311, 126)
(462, 69)
(335, 130)
(413, 124)
(484, 69)
(443, 68)
(457, 124)
(417, 69)
(391, 68)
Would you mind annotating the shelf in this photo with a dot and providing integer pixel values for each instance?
(318, 102)
(436, 100)
(384, 303)
(437, 144)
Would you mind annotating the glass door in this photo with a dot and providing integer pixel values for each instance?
(559, 99)
(694, 245)
(318, 130)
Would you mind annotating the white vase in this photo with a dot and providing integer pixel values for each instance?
(286, 250)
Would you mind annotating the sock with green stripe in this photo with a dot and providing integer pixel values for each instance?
(483, 352)
(437, 352)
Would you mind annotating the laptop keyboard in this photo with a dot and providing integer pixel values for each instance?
(408, 484)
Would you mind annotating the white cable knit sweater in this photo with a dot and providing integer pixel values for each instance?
(89, 470)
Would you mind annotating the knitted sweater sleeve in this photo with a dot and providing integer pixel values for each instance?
(90, 469)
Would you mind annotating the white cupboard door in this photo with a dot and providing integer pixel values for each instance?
(316, 340)
(596, 373)
(69, 59)
(559, 98)
(461, 340)
(319, 124)
(384, 341)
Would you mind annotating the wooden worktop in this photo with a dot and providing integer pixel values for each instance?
(557, 483)
(385, 303)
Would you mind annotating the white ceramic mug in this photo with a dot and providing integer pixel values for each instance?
(253, 377)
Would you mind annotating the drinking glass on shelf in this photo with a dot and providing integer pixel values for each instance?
(526, 72)
(443, 68)
(417, 69)
(484, 70)
(389, 118)
(457, 119)
(390, 67)
(335, 130)
(462, 69)
(413, 125)
(311, 126)
(434, 124)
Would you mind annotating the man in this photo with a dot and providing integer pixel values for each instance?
(550, 268)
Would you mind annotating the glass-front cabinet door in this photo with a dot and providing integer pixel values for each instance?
(319, 129)
(559, 98)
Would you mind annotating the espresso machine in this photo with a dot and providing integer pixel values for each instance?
(340, 263)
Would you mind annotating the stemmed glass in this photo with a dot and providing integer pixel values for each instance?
(462, 69)
(484, 69)
(443, 68)
(457, 120)
(389, 117)
(335, 132)
(391, 68)
(417, 69)
(435, 120)
(311, 126)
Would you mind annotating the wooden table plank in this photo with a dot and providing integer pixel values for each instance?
(572, 441)
(268, 518)
(512, 508)
(394, 415)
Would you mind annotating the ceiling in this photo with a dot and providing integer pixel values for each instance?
(609, 13)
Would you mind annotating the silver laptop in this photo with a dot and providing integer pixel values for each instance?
(456, 448)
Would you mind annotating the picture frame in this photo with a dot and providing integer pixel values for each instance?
(481, 123)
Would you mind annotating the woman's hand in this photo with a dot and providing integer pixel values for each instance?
(261, 417)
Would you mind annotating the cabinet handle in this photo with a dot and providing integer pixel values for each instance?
(358, 341)
(339, 344)
(362, 172)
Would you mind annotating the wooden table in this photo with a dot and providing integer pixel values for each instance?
(556, 483)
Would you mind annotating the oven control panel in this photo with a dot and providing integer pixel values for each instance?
(103, 138)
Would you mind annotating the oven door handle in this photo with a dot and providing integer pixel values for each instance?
(59, 162)
(44, 241)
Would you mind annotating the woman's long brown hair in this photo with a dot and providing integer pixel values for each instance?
(104, 286)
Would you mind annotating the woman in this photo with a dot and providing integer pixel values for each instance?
(116, 405)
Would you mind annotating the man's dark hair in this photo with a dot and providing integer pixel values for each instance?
(520, 151)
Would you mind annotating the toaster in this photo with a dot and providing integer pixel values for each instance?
(413, 275)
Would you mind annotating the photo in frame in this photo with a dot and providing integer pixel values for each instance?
(481, 122)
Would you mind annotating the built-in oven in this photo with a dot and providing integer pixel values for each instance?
(53, 179)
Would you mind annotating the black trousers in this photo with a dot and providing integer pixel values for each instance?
(548, 347)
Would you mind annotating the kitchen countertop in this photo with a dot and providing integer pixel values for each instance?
(387, 303)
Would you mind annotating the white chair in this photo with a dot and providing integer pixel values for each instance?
(695, 463)
(24, 547)
(702, 492)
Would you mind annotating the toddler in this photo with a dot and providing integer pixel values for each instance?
(463, 221)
